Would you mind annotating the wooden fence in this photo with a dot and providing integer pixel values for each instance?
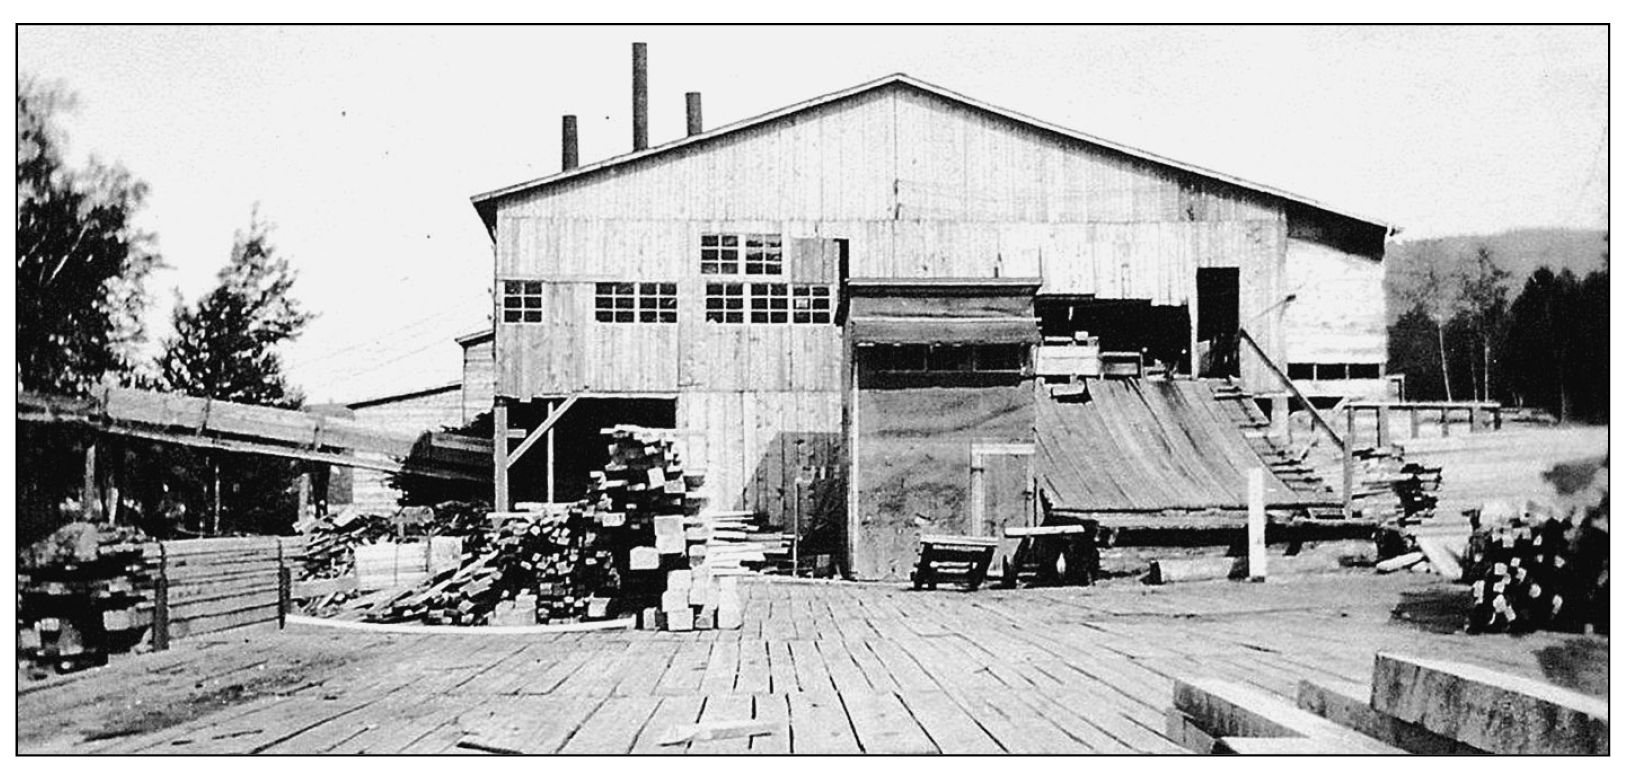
(205, 585)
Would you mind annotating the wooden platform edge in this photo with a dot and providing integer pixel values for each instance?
(626, 623)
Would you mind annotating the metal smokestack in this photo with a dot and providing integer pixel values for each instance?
(572, 146)
(691, 111)
(640, 96)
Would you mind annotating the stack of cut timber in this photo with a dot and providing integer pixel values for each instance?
(1389, 489)
(330, 541)
(83, 592)
(1537, 569)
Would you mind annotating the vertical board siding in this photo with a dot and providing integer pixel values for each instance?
(768, 451)
(477, 379)
(1338, 315)
(412, 416)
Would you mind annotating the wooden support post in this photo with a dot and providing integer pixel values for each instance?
(1348, 480)
(1474, 419)
(1497, 418)
(1446, 427)
(1281, 424)
(284, 584)
(160, 637)
(1257, 567)
(1349, 421)
(976, 496)
(1414, 413)
(502, 504)
(552, 464)
(1383, 426)
(216, 496)
(304, 489)
(88, 493)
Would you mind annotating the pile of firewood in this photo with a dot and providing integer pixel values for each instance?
(83, 592)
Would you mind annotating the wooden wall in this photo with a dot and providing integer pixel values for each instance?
(914, 453)
(1339, 313)
(412, 416)
(477, 379)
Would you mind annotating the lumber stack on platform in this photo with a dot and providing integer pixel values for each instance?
(84, 592)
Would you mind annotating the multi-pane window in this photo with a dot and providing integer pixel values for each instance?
(724, 254)
(1334, 371)
(762, 254)
(615, 303)
(719, 254)
(770, 302)
(657, 303)
(636, 303)
(521, 301)
(725, 303)
(811, 304)
(919, 358)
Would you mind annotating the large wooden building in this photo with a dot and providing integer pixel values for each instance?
(706, 284)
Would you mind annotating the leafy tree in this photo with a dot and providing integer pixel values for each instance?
(225, 346)
(1483, 308)
(80, 260)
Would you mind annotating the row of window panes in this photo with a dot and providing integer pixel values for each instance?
(616, 302)
(1334, 371)
(635, 303)
(918, 358)
(751, 254)
(767, 303)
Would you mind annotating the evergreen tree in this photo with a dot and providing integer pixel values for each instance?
(80, 260)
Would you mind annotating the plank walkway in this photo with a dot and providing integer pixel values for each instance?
(830, 667)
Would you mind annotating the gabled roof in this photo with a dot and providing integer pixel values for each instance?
(485, 202)
(468, 340)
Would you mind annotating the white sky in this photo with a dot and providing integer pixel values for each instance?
(362, 145)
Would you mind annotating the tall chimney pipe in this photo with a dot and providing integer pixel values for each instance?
(640, 96)
(572, 145)
(691, 109)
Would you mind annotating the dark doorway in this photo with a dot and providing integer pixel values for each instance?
(1218, 319)
(581, 447)
(1161, 332)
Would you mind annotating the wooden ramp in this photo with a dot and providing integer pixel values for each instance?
(248, 429)
(1135, 445)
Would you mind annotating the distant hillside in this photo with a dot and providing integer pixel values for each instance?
(1521, 251)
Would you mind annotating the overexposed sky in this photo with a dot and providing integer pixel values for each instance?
(362, 144)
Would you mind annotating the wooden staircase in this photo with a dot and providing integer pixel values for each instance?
(1291, 469)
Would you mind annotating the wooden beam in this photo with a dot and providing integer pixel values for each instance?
(88, 492)
(242, 447)
(1495, 712)
(502, 503)
(1225, 709)
(541, 429)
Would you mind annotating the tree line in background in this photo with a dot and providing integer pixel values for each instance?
(1465, 329)
(81, 267)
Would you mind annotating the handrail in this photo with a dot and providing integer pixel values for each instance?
(1292, 388)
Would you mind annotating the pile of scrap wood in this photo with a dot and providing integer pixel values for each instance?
(546, 561)
(83, 592)
(1390, 489)
(1413, 705)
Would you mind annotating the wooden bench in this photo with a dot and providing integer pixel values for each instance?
(962, 560)
(1056, 555)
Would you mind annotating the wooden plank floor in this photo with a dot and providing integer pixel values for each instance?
(830, 667)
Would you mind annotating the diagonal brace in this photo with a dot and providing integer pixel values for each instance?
(541, 429)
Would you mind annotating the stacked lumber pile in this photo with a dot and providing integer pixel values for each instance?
(1535, 568)
(1390, 489)
(547, 563)
(681, 562)
(83, 592)
(1421, 706)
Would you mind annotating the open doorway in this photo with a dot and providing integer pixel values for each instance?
(1160, 331)
(1218, 319)
(579, 444)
